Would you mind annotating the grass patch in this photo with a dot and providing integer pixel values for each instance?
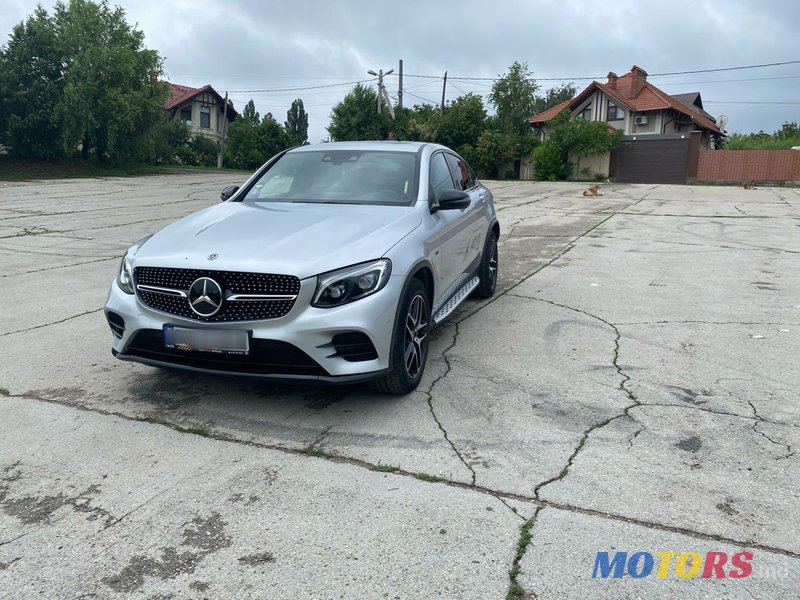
(14, 168)
(515, 590)
(386, 468)
(4, 392)
(313, 451)
(427, 477)
(194, 429)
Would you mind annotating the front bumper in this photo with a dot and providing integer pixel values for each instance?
(295, 347)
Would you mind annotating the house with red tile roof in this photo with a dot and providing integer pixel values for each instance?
(201, 109)
(639, 109)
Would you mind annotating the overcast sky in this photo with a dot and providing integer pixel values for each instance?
(242, 45)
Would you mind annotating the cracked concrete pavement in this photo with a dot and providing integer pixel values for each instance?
(632, 386)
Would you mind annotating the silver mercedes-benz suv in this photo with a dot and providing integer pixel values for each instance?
(331, 263)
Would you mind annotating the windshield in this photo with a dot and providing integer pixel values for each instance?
(339, 177)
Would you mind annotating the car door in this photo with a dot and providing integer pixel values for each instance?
(448, 240)
(475, 219)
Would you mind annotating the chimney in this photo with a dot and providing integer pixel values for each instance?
(612, 80)
(638, 79)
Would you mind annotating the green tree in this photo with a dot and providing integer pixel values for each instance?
(418, 124)
(272, 137)
(111, 89)
(242, 150)
(554, 96)
(297, 123)
(356, 117)
(462, 122)
(783, 139)
(250, 114)
(513, 97)
(492, 149)
(569, 138)
(31, 86)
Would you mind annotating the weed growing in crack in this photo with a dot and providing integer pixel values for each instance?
(312, 450)
(387, 468)
(427, 477)
(515, 589)
(4, 392)
(194, 429)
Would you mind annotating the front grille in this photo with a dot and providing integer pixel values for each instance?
(231, 282)
(266, 357)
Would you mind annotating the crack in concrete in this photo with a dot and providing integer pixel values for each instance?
(635, 214)
(429, 395)
(497, 494)
(716, 412)
(64, 320)
(622, 387)
(760, 419)
(515, 589)
(636, 433)
(79, 264)
(699, 322)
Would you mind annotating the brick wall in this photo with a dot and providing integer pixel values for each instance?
(749, 165)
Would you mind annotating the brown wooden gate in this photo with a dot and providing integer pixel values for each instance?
(654, 159)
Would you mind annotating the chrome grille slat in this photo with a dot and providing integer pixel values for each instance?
(269, 296)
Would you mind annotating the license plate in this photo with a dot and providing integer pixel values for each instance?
(220, 341)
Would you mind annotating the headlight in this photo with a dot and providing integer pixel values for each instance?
(125, 275)
(352, 283)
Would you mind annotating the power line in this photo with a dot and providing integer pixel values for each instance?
(728, 80)
(420, 97)
(298, 89)
(773, 102)
(582, 78)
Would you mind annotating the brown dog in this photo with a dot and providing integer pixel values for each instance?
(592, 191)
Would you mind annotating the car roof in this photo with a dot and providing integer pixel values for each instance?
(384, 146)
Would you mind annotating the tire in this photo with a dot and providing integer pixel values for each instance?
(409, 351)
(489, 268)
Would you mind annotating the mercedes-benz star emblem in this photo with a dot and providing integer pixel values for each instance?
(213, 256)
(205, 297)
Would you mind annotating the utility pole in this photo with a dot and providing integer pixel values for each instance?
(444, 89)
(400, 88)
(221, 154)
(382, 94)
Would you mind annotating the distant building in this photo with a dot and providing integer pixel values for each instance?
(661, 133)
(202, 109)
(637, 107)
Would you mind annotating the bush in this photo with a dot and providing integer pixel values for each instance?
(205, 151)
(550, 163)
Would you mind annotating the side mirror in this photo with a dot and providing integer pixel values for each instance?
(451, 200)
(228, 192)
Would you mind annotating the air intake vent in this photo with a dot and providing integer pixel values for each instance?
(117, 324)
(353, 346)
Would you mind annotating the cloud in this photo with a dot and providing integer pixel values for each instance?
(252, 45)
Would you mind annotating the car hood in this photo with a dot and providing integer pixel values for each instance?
(286, 238)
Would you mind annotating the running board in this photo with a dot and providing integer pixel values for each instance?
(451, 304)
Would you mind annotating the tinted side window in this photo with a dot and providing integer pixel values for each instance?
(465, 178)
(440, 178)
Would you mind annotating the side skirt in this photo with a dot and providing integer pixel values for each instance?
(456, 299)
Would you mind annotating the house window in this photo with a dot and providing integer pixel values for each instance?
(586, 113)
(205, 116)
(615, 113)
(186, 115)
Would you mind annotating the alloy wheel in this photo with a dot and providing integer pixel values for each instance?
(493, 263)
(416, 335)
